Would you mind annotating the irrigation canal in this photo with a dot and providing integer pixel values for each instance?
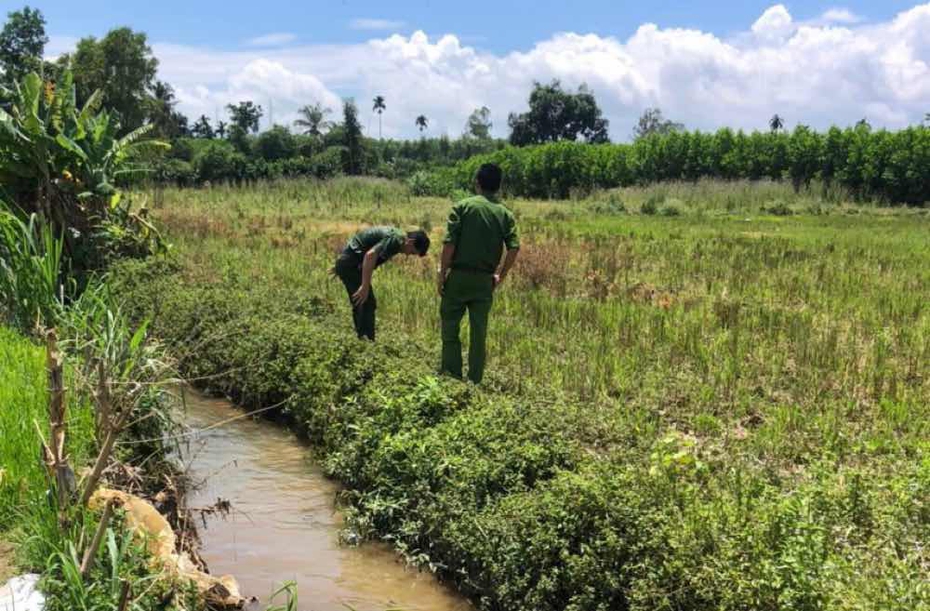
(284, 524)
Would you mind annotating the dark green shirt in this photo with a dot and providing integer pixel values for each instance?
(388, 241)
(480, 228)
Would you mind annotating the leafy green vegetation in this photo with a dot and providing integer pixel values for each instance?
(61, 162)
(853, 162)
(29, 514)
(23, 403)
(721, 408)
(59, 166)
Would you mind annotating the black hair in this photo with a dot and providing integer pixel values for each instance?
(489, 177)
(420, 241)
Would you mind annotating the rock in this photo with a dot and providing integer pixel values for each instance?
(153, 528)
(22, 594)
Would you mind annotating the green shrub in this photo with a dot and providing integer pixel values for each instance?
(218, 161)
(778, 208)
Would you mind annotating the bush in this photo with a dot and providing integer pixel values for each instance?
(275, 143)
(175, 171)
(329, 163)
(778, 208)
(219, 161)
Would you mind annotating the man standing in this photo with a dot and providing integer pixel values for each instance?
(479, 228)
(367, 250)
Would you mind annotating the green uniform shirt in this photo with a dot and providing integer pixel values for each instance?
(480, 228)
(388, 241)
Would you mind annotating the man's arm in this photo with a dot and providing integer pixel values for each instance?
(445, 264)
(509, 259)
(368, 267)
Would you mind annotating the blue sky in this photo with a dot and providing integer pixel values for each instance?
(706, 64)
(495, 26)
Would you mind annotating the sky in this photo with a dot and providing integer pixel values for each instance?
(705, 64)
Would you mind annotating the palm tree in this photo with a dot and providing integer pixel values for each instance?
(220, 130)
(313, 120)
(379, 107)
(422, 122)
(776, 123)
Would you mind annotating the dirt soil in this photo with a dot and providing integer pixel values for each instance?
(6, 561)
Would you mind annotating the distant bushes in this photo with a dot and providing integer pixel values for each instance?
(854, 162)
(889, 166)
(194, 162)
(518, 499)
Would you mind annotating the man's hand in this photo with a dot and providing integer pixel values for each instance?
(498, 280)
(360, 296)
(440, 282)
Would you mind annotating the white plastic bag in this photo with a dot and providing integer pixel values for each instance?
(22, 594)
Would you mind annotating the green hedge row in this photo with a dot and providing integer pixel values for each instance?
(891, 166)
(218, 161)
(517, 500)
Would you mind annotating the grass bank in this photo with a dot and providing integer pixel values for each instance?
(39, 539)
(721, 407)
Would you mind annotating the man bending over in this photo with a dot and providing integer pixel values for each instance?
(367, 250)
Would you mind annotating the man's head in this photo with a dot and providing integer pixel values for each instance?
(417, 243)
(488, 178)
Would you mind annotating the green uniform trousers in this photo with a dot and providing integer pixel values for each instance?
(350, 273)
(472, 291)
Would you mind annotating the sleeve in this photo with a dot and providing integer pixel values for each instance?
(387, 248)
(454, 225)
(512, 239)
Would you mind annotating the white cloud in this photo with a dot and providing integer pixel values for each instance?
(774, 24)
(840, 15)
(375, 24)
(808, 73)
(276, 39)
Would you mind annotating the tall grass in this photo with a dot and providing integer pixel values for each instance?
(32, 278)
(23, 408)
(725, 407)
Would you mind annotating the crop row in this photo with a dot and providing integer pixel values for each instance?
(889, 166)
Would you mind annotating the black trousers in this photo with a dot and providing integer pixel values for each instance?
(350, 272)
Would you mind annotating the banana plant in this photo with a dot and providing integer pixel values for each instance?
(61, 161)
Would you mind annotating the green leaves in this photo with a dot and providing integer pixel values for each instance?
(65, 165)
(868, 164)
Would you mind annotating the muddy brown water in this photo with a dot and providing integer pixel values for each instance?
(284, 525)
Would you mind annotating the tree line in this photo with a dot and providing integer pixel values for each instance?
(122, 66)
(857, 161)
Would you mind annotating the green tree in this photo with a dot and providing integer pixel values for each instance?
(556, 115)
(244, 119)
(221, 129)
(275, 143)
(22, 42)
(422, 123)
(479, 124)
(653, 122)
(202, 128)
(379, 107)
(776, 123)
(352, 138)
(312, 121)
(121, 65)
(168, 122)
